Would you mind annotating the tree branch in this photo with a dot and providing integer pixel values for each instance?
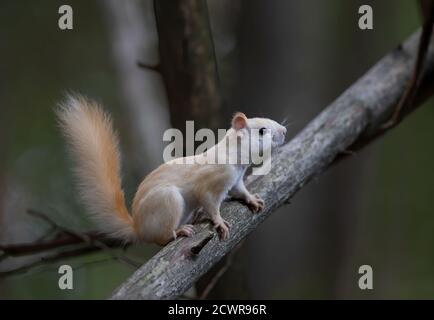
(61, 240)
(49, 259)
(70, 242)
(63, 237)
(356, 115)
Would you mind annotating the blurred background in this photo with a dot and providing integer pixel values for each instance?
(278, 59)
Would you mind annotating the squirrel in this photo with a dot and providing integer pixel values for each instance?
(166, 199)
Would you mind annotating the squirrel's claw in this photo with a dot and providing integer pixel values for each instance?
(255, 203)
(186, 230)
(222, 227)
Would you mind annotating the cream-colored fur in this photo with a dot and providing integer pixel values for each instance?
(166, 198)
(94, 147)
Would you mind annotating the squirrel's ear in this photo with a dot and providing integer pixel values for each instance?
(239, 121)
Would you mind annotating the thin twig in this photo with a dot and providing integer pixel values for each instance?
(221, 272)
(407, 98)
(77, 267)
(50, 259)
(156, 67)
(61, 240)
(65, 237)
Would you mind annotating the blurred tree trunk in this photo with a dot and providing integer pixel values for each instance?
(134, 41)
(187, 62)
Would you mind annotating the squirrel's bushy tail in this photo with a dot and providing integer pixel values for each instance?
(94, 147)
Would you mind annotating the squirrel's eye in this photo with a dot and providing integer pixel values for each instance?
(262, 131)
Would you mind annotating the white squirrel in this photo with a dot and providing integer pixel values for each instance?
(167, 197)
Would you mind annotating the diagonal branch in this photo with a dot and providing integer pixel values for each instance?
(353, 118)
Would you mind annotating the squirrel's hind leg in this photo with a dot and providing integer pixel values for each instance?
(159, 216)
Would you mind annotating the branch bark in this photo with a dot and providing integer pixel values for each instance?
(351, 121)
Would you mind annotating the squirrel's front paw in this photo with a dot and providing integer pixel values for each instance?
(222, 227)
(255, 203)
